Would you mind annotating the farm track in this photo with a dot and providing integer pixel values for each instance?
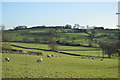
(56, 51)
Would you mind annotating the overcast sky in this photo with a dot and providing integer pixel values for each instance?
(59, 13)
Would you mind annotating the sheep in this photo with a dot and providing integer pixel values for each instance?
(39, 60)
(49, 56)
(52, 55)
(7, 59)
(93, 58)
(26, 54)
(29, 54)
(101, 59)
(83, 57)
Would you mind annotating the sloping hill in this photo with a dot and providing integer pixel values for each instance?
(65, 35)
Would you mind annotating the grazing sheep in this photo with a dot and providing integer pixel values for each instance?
(30, 54)
(39, 60)
(93, 58)
(52, 55)
(83, 57)
(101, 59)
(49, 56)
(7, 59)
(26, 54)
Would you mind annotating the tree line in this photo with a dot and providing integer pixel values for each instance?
(67, 26)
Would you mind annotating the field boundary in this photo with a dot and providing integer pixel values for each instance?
(56, 51)
(59, 44)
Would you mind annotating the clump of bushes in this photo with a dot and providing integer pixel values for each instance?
(36, 53)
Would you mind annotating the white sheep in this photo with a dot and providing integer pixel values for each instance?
(40, 60)
(83, 57)
(52, 55)
(7, 59)
(49, 56)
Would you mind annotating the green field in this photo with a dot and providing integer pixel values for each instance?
(61, 66)
(45, 46)
(65, 35)
(69, 49)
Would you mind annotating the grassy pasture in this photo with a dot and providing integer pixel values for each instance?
(107, 31)
(80, 37)
(26, 50)
(61, 66)
(32, 45)
(38, 30)
(88, 51)
(45, 46)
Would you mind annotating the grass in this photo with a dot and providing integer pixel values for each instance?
(38, 31)
(62, 66)
(88, 51)
(32, 45)
(0, 66)
(45, 46)
(26, 50)
(80, 37)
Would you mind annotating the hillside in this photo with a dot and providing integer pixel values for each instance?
(64, 36)
(73, 55)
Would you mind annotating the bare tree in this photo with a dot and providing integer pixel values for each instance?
(53, 45)
(52, 38)
(109, 48)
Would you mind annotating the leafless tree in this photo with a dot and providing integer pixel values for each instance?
(109, 48)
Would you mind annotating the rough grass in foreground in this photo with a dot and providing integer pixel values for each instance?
(61, 66)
